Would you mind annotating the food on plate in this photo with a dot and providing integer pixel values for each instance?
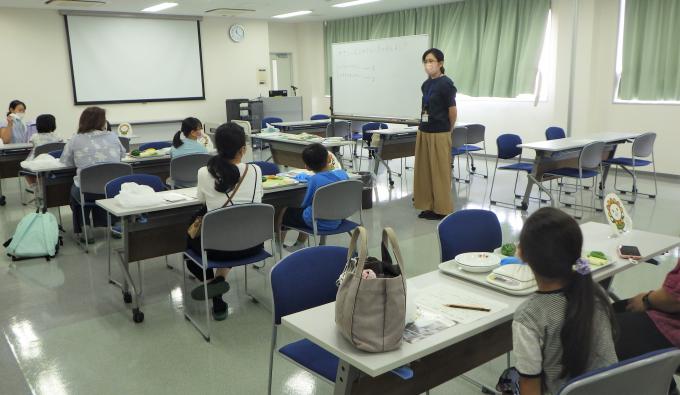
(508, 249)
(135, 153)
(597, 258)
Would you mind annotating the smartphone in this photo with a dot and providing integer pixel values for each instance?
(629, 252)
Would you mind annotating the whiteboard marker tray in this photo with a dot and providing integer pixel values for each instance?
(452, 269)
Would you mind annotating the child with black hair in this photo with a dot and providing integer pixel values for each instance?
(318, 160)
(46, 125)
(566, 328)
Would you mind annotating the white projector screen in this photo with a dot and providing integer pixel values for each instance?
(117, 59)
(379, 78)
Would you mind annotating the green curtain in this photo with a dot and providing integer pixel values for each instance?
(651, 52)
(491, 47)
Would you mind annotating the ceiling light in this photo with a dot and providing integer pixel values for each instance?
(74, 3)
(292, 14)
(353, 3)
(159, 7)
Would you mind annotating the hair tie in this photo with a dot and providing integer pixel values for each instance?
(582, 267)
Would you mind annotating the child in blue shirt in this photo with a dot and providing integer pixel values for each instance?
(192, 129)
(318, 160)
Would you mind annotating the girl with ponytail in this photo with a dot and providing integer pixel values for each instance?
(186, 139)
(566, 328)
(223, 182)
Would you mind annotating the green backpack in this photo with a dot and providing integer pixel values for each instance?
(37, 235)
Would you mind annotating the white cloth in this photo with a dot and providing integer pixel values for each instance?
(250, 190)
(133, 195)
(42, 161)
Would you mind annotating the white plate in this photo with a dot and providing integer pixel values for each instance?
(478, 262)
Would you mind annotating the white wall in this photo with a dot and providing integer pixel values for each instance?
(36, 70)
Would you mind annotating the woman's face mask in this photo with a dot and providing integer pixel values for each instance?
(19, 115)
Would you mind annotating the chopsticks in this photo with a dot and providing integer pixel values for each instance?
(465, 307)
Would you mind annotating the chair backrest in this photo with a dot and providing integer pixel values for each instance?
(223, 228)
(507, 146)
(125, 142)
(244, 124)
(47, 148)
(268, 168)
(469, 231)
(554, 133)
(316, 267)
(475, 133)
(459, 136)
(338, 129)
(56, 154)
(184, 169)
(93, 178)
(591, 155)
(318, 117)
(338, 200)
(112, 188)
(155, 145)
(270, 120)
(367, 127)
(643, 145)
(648, 374)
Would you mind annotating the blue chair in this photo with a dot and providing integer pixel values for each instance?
(507, 147)
(270, 120)
(112, 188)
(56, 154)
(318, 268)
(366, 136)
(155, 145)
(318, 117)
(643, 147)
(475, 135)
(458, 141)
(268, 168)
(589, 167)
(648, 374)
(554, 133)
(219, 233)
(336, 201)
(468, 231)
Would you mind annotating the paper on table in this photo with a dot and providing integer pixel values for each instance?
(427, 323)
(435, 297)
(175, 197)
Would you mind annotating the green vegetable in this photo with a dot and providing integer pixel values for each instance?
(508, 249)
(135, 153)
(597, 254)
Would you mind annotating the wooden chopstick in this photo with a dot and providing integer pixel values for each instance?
(475, 308)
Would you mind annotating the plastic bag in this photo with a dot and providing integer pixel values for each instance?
(133, 195)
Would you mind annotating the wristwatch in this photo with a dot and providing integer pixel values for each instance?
(646, 302)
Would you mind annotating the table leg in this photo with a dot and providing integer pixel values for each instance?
(533, 178)
(345, 378)
(137, 315)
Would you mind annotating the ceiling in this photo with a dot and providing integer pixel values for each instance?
(264, 9)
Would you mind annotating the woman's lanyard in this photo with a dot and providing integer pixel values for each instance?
(425, 117)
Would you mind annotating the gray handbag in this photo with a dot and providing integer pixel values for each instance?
(370, 313)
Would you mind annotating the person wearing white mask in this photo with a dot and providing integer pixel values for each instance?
(13, 130)
(192, 130)
(432, 173)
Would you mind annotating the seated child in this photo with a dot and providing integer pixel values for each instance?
(45, 124)
(321, 162)
(566, 328)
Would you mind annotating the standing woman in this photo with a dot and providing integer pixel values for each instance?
(432, 183)
(13, 130)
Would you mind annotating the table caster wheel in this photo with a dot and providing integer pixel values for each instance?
(493, 202)
(567, 205)
(3, 200)
(127, 297)
(474, 168)
(652, 196)
(524, 206)
(137, 316)
(586, 188)
(391, 183)
(467, 181)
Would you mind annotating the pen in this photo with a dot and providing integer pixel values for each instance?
(460, 306)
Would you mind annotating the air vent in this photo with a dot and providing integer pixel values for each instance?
(75, 3)
(229, 11)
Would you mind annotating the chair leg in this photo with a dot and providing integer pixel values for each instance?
(271, 359)
(84, 229)
(656, 191)
(493, 180)
(579, 185)
(167, 263)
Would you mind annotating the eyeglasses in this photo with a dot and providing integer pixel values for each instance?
(428, 61)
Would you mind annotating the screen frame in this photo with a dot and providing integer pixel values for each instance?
(169, 99)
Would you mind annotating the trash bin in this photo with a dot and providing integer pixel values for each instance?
(367, 193)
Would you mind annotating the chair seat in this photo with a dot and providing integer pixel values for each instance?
(521, 166)
(458, 151)
(628, 162)
(470, 148)
(345, 226)
(572, 173)
(261, 256)
(357, 136)
(312, 357)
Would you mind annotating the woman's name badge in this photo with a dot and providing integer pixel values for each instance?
(425, 118)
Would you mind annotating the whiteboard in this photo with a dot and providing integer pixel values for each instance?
(379, 78)
(121, 59)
